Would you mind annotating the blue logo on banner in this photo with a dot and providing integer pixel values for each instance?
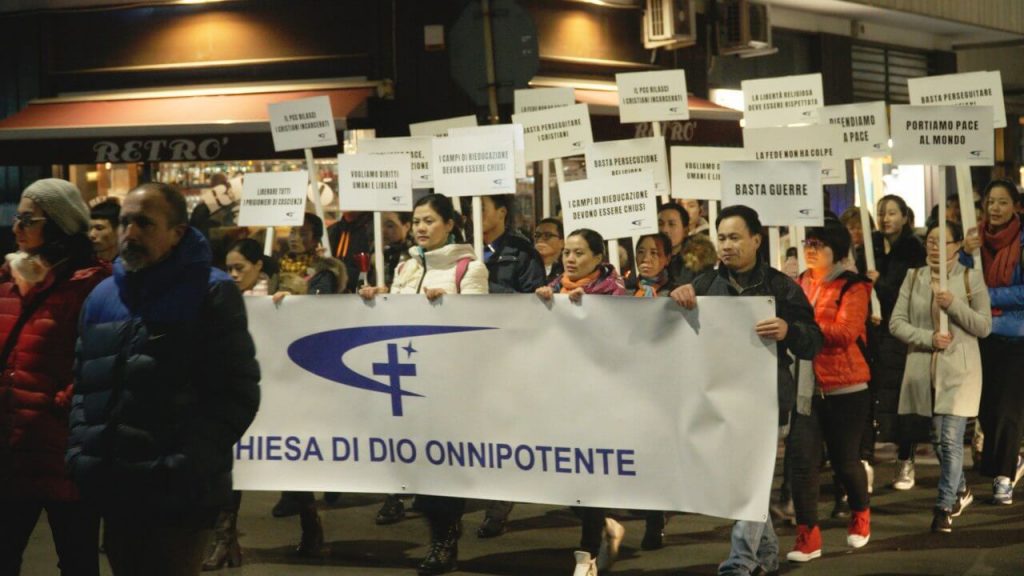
(323, 354)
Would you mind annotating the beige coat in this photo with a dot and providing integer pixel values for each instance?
(440, 271)
(957, 379)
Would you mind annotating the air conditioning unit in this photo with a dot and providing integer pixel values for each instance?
(743, 28)
(670, 24)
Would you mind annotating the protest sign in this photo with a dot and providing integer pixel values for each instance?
(614, 206)
(697, 170)
(966, 89)
(304, 123)
(555, 133)
(652, 96)
(943, 135)
(273, 199)
(782, 101)
(799, 143)
(619, 157)
(473, 166)
(783, 193)
(865, 128)
(418, 149)
(374, 183)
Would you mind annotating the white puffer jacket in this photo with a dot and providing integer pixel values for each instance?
(440, 271)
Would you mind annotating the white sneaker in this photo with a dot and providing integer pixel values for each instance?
(610, 543)
(869, 471)
(585, 565)
(904, 479)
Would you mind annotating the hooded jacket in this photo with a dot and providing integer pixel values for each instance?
(841, 311)
(166, 383)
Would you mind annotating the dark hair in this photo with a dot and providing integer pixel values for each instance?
(957, 232)
(506, 201)
(314, 221)
(178, 213)
(58, 245)
(853, 213)
(443, 206)
(594, 240)
(660, 237)
(748, 214)
(108, 210)
(1008, 185)
(403, 217)
(684, 216)
(253, 252)
(908, 226)
(556, 222)
(834, 235)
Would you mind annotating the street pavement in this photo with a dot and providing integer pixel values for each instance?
(987, 540)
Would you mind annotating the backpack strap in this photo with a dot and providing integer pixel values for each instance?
(460, 272)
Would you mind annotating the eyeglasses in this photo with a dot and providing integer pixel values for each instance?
(26, 219)
(814, 244)
(544, 235)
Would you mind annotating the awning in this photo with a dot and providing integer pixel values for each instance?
(227, 122)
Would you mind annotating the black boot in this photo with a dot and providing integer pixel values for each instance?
(311, 544)
(444, 548)
(841, 509)
(225, 548)
(654, 533)
(391, 511)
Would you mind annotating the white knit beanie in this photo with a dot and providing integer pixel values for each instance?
(62, 203)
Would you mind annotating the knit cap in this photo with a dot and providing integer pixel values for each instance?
(62, 203)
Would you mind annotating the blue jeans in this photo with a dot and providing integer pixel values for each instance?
(753, 544)
(948, 440)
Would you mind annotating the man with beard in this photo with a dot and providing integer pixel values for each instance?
(166, 381)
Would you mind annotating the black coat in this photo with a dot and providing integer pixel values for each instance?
(803, 338)
(514, 265)
(166, 383)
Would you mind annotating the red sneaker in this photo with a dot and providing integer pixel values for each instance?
(859, 531)
(808, 544)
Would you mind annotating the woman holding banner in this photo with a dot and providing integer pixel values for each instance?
(586, 273)
(438, 264)
(1002, 354)
(943, 376)
(897, 250)
(833, 404)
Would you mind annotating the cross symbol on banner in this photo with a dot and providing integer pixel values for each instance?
(394, 370)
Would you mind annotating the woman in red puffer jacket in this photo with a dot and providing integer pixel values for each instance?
(833, 401)
(42, 288)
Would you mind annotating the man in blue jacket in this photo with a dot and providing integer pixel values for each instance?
(166, 382)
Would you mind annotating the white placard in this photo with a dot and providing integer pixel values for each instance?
(537, 99)
(513, 131)
(697, 170)
(620, 157)
(615, 206)
(943, 135)
(359, 398)
(418, 149)
(555, 133)
(782, 101)
(652, 96)
(967, 89)
(799, 143)
(783, 193)
(273, 199)
(865, 128)
(439, 128)
(374, 183)
(473, 166)
(305, 123)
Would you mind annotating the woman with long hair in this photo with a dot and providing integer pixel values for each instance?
(42, 288)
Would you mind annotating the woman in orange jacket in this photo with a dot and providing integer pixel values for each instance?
(833, 401)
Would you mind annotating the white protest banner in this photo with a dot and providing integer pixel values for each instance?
(473, 166)
(783, 193)
(697, 170)
(614, 206)
(652, 96)
(967, 89)
(619, 157)
(513, 131)
(418, 149)
(782, 101)
(555, 133)
(439, 128)
(865, 128)
(359, 398)
(273, 198)
(374, 183)
(799, 143)
(304, 123)
(537, 99)
(943, 135)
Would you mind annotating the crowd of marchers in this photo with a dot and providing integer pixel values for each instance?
(127, 371)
